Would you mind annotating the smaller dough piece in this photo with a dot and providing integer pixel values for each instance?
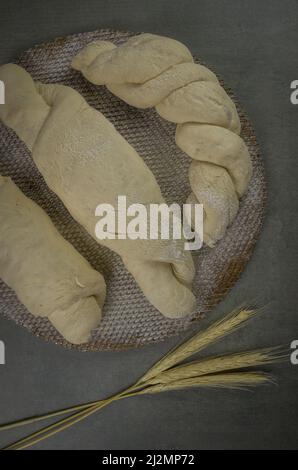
(139, 59)
(152, 92)
(219, 146)
(48, 275)
(201, 102)
(150, 70)
(220, 206)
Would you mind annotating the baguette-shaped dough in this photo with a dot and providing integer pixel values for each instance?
(150, 70)
(86, 162)
(48, 275)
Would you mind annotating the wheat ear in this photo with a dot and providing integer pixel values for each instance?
(227, 325)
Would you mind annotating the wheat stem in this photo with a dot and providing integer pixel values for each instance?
(36, 419)
(16, 444)
(65, 423)
(53, 414)
(95, 406)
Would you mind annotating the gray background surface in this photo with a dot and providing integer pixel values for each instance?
(253, 46)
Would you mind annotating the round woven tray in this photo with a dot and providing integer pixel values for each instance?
(129, 319)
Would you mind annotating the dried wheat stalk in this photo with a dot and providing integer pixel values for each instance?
(169, 374)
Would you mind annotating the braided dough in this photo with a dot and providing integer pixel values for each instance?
(85, 161)
(48, 275)
(150, 70)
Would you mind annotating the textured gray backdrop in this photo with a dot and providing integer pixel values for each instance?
(253, 46)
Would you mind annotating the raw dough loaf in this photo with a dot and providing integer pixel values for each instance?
(85, 161)
(150, 70)
(48, 275)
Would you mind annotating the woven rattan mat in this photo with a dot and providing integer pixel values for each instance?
(129, 320)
